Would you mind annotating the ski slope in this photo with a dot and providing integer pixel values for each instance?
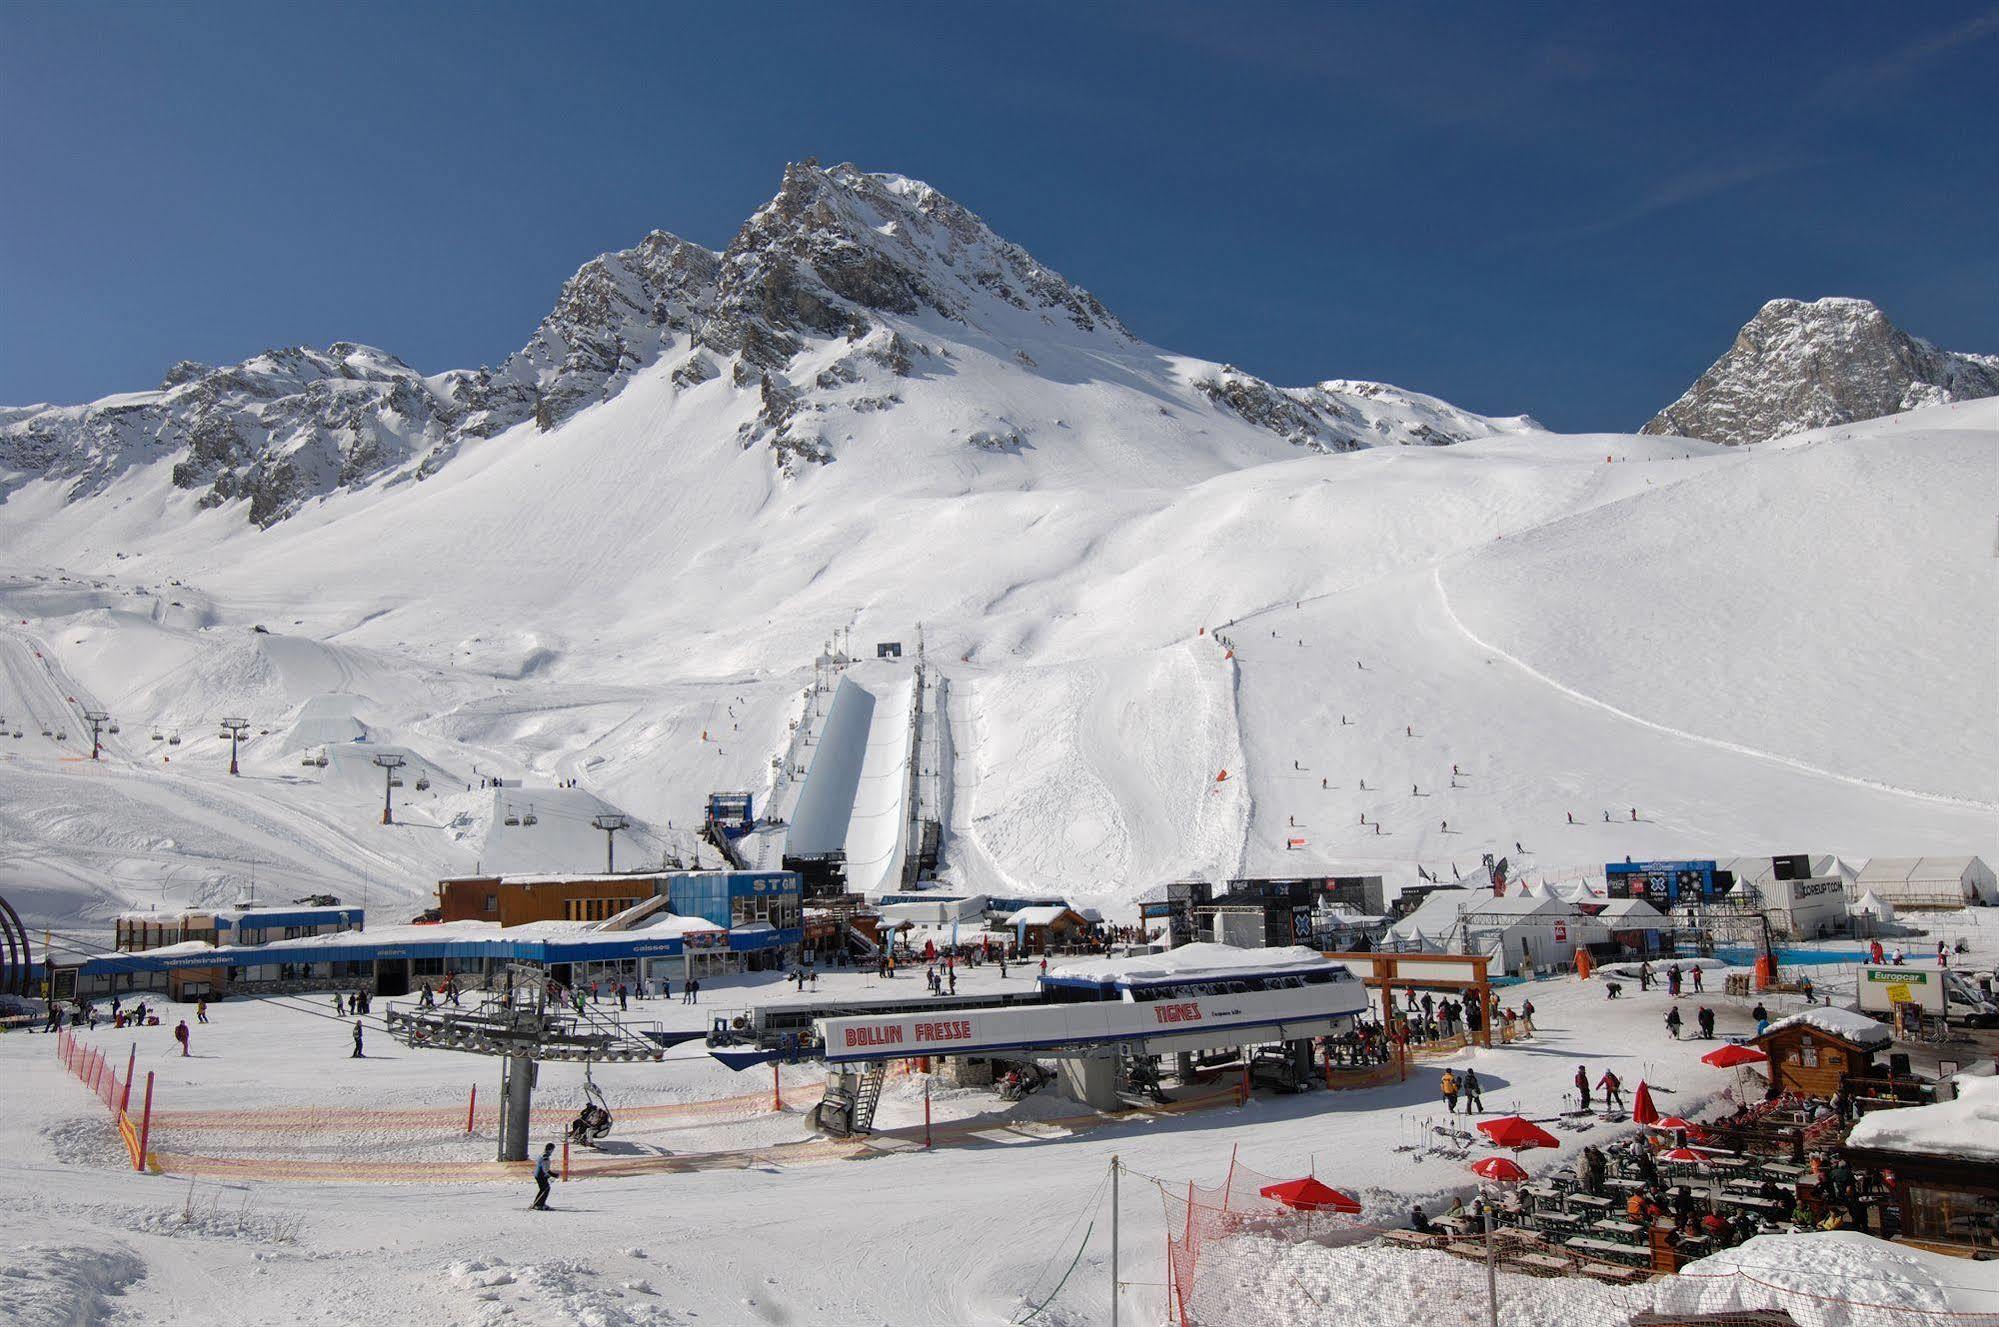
(1773, 648)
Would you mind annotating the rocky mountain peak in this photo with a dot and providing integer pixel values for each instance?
(839, 244)
(1809, 364)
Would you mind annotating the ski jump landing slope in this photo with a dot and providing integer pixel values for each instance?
(855, 796)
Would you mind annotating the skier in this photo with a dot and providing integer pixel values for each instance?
(1447, 1087)
(180, 1035)
(543, 1173)
(1444, 825)
(201, 1011)
(1613, 1090)
(339, 1004)
(1634, 813)
(357, 1055)
(1698, 979)
(1527, 1015)
(1474, 1093)
(1582, 1087)
(1408, 731)
(1673, 1022)
(426, 999)
(1572, 817)
(1705, 1017)
(1322, 784)
(622, 1006)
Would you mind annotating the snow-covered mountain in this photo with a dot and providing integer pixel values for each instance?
(832, 298)
(1799, 365)
(873, 420)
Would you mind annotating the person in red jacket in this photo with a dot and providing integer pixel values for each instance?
(180, 1035)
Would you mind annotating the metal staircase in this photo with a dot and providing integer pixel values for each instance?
(867, 1096)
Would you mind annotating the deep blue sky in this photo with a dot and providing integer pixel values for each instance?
(1563, 210)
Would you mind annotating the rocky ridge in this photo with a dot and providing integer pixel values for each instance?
(1799, 365)
(833, 297)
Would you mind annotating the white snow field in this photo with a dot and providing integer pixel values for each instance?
(760, 1227)
(1767, 648)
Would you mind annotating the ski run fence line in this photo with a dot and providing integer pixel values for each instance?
(99, 1073)
(586, 1164)
(1235, 1258)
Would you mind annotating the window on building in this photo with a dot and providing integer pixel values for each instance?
(492, 903)
(1953, 1217)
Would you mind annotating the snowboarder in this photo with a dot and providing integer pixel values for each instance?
(543, 1172)
(1705, 1017)
(357, 1055)
(1474, 1093)
(1447, 1087)
(1582, 1087)
(1673, 1022)
(180, 1035)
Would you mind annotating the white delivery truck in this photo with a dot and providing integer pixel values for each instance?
(1940, 992)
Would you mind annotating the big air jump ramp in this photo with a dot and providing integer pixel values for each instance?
(856, 793)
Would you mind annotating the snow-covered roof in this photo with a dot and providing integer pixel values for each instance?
(1842, 1023)
(1437, 913)
(1045, 914)
(1889, 869)
(1190, 963)
(1966, 1127)
(1793, 1273)
(1633, 914)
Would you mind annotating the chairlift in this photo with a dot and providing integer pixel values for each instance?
(112, 729)
(511, 819)
(159, 737)
(422, 782)
(530, 818)
(174, 740)
(395, 782)
(62, 735)
(320, 760)
(309, 760)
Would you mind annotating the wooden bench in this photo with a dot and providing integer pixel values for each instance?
(1538, 1264)
(1616, 1274)
(1628, 1231)
(1604, 1249)
(1412, 1239)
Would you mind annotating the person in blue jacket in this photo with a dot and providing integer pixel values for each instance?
(543, 1171)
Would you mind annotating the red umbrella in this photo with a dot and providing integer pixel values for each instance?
(1672, 1122)
(1498, 1168)
(1682, 1154)
(1308, 1195)
(1728, 1057)
(1514, 1132)
(1642, 1109)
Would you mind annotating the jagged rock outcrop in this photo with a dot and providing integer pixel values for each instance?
(835, 301)
(1342, 415)
(1799, 365)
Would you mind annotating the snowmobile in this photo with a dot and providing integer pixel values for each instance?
(1022, 1080)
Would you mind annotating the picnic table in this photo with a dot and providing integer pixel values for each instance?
(1627, 1230)
(1764, 1206)
(1784, 1169)
(1546, 1193)
(1623, 1185)
(1414, 1239)
(1544, 1264)
(1605, 1250)
(1590, 1200)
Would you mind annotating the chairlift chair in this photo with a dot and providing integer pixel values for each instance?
(530, 818)
(511, 819)
(395, 782)
(174, 740)
(159, 737)
(112, 729)
(422, 782)
(320, 760)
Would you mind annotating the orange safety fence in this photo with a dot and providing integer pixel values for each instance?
(961, 1133)
(96, 1072)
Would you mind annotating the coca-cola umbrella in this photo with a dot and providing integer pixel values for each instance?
(1672, 1122)
(1517, 1133)
(1734, 1055)
(1683, 1154)
(1309, 1195)
(1642, 1110)
(1504, 1169)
